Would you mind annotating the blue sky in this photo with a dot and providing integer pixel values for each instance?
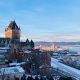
(43, 20)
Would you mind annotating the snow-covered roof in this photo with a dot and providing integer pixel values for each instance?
(2, 56)
(44, 66)
(27, 51)
(2, 48)
(16, 64)
(11, 70)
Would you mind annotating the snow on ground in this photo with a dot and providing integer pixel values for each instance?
(16, 64)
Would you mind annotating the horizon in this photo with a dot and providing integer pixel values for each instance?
(43, 20)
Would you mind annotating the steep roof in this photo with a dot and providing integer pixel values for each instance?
(3, 40)
(13, 25)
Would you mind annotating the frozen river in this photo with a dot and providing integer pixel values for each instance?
(75, 48)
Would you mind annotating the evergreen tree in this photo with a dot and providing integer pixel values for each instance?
(32, 44)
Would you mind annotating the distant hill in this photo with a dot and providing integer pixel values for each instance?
(57, 43)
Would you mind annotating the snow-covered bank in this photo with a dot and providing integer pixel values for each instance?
(75, 73)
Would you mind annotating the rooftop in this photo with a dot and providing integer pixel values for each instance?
(13, 25)
(11, 70)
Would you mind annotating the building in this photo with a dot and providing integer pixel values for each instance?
(12, 38)
(13, 31)
(11, 72)
(37, 62)
(51, 47)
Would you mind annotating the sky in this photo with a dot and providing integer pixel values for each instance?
(42, 20)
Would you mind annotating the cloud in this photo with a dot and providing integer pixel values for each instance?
(59, 38)
(2, 34)
(54, 37)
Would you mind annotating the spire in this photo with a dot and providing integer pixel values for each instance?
(13, 25)
(32, 44)
(27, 41)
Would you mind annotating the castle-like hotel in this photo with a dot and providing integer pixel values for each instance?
(12, 39)
(13, 31)
(12, 51)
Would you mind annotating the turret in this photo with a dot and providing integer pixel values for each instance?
(13, 31)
